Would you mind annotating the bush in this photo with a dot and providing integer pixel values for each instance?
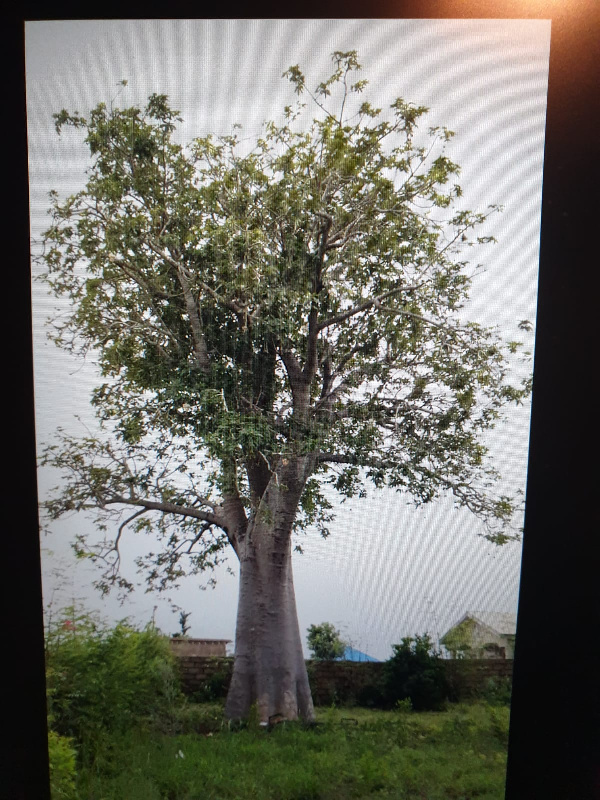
(415, 672)
(403, 706)
(102, 681)
(62, 757)
(214, 688)
(497, 691)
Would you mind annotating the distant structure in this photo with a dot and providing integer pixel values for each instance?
(482, 634)
(350, 654)
(182, 646)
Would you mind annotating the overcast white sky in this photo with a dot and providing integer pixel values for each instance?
(387, 570)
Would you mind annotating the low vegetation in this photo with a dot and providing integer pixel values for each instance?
(120, 728)
(349, 753)
(101, 683)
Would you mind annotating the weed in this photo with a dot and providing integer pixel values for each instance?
(403, 706)
(432, 756)
(459, 726)
(499, 723)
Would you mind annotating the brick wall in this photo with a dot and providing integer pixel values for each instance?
(468, 676)
(342, 681)
(197, 671)
(198, 647)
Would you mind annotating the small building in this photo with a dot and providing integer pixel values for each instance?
(182, 646)
(482, 634)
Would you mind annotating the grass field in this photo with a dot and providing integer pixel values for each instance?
(350, 753)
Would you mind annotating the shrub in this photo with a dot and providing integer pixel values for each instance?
(102, 681)
(497, 691)
(415, 671)
(403, 706)
(214, 688)
(324, 642)
(62, 756)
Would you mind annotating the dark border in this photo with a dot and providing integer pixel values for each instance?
(24, 773)
(555, 720)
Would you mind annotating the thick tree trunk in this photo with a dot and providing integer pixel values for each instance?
(269, 667)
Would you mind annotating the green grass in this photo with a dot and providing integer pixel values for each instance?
(351, 753)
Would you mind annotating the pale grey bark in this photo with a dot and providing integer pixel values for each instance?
(269, 667)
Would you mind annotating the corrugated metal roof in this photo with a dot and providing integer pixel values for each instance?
(351, 654)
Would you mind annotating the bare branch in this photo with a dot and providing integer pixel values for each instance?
(375, 301)
(168, 508)
(122, 527)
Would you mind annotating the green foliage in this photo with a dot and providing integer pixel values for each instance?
(497, 691)
(458, 641)
(371, 754)
(215, 688)
(499, 723)
(199, 717)
(415, 672)
(102, 681)
(458, 726)
(62, 756)
(324, 642)
(403, 706)
(296, 303)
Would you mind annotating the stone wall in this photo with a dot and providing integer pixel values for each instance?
(341, 681)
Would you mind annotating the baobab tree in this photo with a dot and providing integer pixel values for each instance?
(273, 325)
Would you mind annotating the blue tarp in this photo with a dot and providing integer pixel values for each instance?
(350, 654)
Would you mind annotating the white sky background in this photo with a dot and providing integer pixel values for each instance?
(387, 570)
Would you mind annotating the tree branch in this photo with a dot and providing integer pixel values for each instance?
(292, 367)
(169, 508)
(200, 347)
(122, 527)
(375, 301)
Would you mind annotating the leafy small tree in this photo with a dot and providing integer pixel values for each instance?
(325, 642)
(273, 325)
(184, 627)
(415, 671)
